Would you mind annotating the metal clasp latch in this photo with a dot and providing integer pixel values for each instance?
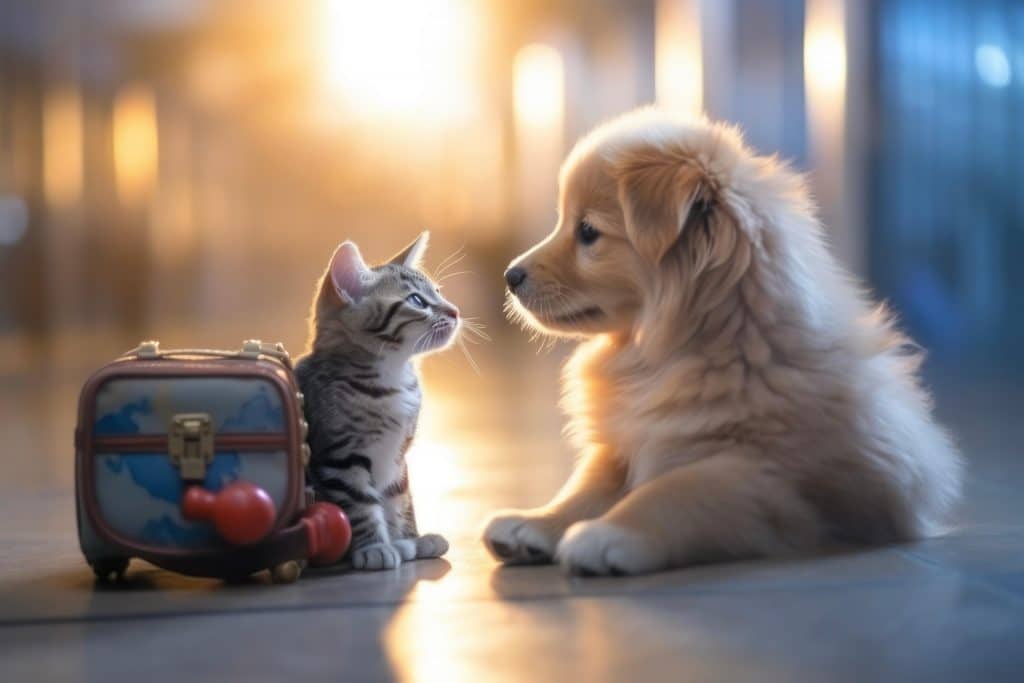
(190, 444)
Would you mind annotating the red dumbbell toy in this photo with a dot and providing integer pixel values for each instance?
(328, 533)
(242, 513)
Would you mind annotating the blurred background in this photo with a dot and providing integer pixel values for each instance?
(182, 169)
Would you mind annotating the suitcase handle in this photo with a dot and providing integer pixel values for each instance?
(251, 349)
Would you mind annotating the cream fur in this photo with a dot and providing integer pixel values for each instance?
(735, 394)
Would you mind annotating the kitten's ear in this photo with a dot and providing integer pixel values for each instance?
(348, 272)
(412, 255)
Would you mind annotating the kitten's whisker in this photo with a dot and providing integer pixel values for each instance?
(451, 264)
(451, 261)
(476, 329)
(459, 252)
(448, 276)
(416, 346)
(469, 356)
(443, 262)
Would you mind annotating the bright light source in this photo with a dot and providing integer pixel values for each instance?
(135, 143)
(539, 87)
(402, 58)
(13, 220)
(825, 48)
(539, 95)
(679, 75)
(62, 146)
(993, 66)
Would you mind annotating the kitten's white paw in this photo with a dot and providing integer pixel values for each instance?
(406, 547)
(599, 548)
(522, 537)
(430, 546)
(376, 556)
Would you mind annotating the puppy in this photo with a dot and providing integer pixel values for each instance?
(735, 396)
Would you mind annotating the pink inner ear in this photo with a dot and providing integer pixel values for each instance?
(348, 271)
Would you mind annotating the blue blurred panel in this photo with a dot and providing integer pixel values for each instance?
(767, 98)
(946, 233)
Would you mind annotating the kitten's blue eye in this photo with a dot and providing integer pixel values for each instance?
(416, 300)
(586, 233)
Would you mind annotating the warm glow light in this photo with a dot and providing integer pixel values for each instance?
(825, 74)
(539, 97)
(135, 143)
(62, 146)
(434, 471)
(825, 48)
(539, 87)
(410, 59)
(679, 76)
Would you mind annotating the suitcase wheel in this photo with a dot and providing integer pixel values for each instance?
(109, 569)
(286, 572)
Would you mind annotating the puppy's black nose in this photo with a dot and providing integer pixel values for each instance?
(515, 276)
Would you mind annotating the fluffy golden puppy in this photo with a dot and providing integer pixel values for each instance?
(735, 395)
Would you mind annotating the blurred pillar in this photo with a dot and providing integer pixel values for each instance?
(173, 234)
(679, 66)
(27, 294)
(610, 65)
(539, 106)
(753, 73)
(62, 189)
(718, 49)
(835, 94)
(857, 136)
(135, 157)
(62, 154)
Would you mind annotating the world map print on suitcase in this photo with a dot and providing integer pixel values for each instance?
(139, 493)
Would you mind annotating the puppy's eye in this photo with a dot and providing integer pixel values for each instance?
(416, 300)
(586, 233)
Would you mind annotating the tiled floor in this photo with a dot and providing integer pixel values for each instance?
(946, 609)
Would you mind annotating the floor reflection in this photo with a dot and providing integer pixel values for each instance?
(493, 440)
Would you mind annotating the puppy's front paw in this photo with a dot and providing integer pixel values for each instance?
(515, 537)
(599, 548)
(374, 556)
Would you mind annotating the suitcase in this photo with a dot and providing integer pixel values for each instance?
(194, 460)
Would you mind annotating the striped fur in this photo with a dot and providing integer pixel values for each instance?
(363, 398)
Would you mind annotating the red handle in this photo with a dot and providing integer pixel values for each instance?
(328, 533)
(241, 512)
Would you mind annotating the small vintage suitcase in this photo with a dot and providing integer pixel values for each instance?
(194, 460)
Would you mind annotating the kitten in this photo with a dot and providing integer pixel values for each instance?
(363, 396)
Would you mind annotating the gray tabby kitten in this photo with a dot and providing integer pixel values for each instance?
(363, 396)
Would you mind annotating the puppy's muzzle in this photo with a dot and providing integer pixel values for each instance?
(515, 277)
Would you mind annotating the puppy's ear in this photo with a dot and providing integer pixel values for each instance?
(412, 255)
(658, 193)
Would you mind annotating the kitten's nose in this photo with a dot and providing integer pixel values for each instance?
(451, 312)
(515, 276)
